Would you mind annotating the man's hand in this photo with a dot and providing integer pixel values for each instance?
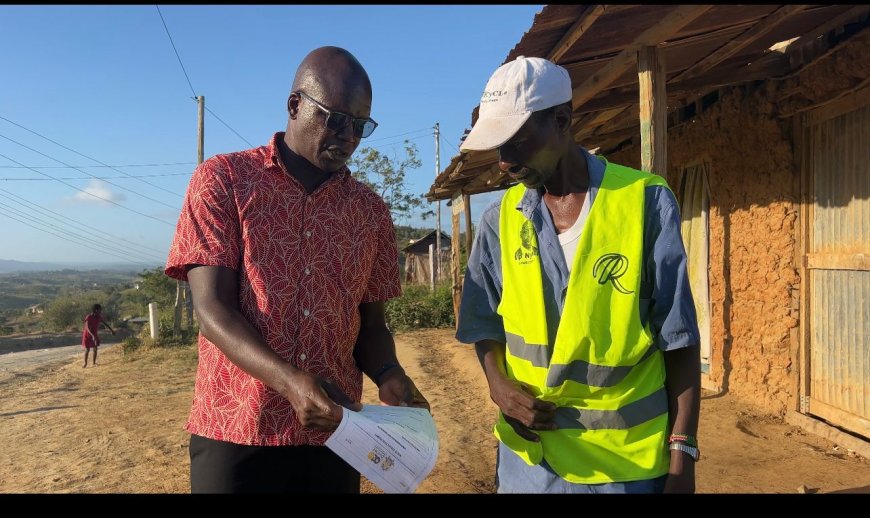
(521, 410)
(681, 476)
(397, 389)
(316, 401)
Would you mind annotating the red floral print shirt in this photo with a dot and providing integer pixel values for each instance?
(305, 264)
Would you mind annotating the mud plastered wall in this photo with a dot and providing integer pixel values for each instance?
(752, 238)
(754, 184)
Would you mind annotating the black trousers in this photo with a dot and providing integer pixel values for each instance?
(223, 467)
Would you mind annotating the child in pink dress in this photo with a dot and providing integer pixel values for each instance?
(90, 337)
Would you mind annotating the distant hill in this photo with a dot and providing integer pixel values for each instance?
(21, 289)
(11, 266)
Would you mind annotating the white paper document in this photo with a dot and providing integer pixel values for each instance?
(394, 447)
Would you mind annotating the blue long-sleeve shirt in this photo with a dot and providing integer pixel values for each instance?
(665, 297)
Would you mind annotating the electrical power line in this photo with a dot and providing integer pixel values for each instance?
(399, 135)
(89, 166)
(86, 245)
(25, 146)
(75, 235)
(228, 126)
(70, 221)
(83, 155)
(91, 194)
(190, 84)
(451, 145)
(89, 177)
(176, 52)
(388, 144)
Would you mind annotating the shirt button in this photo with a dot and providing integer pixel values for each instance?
(305, 312)
(307, 271)
(302, 357)
(307, 233)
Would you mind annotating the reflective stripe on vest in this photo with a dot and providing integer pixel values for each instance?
(602, 369)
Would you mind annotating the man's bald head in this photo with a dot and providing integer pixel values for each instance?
(329, 80)
(329, 69)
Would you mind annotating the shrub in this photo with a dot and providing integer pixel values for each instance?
(68, 311)
(166, 337)
(419, 308)
(130, 344)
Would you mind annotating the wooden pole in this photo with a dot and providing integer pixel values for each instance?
(176, 321)
(431, 266)
(183, 298)
(200, 158)
(200, 149)
(653, 111)
(469, 231)
(438, 265)
(456, 206)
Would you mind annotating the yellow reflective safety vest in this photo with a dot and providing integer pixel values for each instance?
(602, 369)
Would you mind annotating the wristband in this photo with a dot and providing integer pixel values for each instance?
(691, 451)
(683, 438)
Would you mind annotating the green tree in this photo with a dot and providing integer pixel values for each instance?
(69, 310)
(63, 312)
(386, 176)
(155, 286)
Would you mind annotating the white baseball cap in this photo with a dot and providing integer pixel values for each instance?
(513, 93)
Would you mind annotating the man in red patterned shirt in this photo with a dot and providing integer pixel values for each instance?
(290, 260)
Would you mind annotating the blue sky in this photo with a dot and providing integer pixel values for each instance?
(105, 82)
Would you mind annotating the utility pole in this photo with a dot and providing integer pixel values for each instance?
(438, 210)
(182, 289)
(200, 157)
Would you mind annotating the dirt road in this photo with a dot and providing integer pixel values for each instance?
(117, 428)
(28, 356)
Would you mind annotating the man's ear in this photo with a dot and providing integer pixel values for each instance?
(293, 105)
(563, 114)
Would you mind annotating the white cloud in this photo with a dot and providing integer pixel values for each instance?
(96, 190)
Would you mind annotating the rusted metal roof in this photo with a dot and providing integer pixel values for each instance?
(704, 46)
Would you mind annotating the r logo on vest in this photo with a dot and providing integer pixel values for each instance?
(527, 251)
(610, 267)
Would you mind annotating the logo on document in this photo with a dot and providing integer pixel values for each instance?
(380, 458)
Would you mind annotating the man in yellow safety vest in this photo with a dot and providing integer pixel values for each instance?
(577, 300)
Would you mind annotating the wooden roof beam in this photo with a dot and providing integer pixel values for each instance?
(575, 31)
(772, 65)
(675, 20)
(479, 183)
(748, 36)
(842, 19)
(793, 49)
(590, 122)
(627, 114)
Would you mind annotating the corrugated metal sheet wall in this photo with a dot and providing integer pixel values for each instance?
(841, 161)
(840, 295)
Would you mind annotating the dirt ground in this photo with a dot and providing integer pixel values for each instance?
(117, 428)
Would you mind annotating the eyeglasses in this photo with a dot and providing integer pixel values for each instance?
(336, 121)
